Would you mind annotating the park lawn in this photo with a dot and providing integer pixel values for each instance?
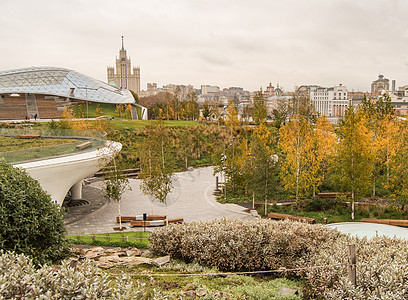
(11, 143)
(132, 124)
(138, 239)
(106, 108)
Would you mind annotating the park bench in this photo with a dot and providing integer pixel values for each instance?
(153, 223)
(140, 218)
(403, 223)
(84, 145)
(332, 195)
(278, 216)
(126, 219)
(29, 136)
(176, 221)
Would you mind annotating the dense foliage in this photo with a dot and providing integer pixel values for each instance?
(382, 269)
(19, 279)
(30, 222)
(233, 245)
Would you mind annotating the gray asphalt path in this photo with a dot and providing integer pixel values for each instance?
(191, 199)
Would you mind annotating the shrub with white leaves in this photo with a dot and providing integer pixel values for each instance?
(231, 245)
(382, 269)
(19, 279)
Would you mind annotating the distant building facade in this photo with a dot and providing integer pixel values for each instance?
(329, 101)
(380, 86)
(124, 78)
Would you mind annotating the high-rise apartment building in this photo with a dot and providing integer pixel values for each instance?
(124, 78)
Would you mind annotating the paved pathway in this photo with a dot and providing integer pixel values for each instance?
(191, 199)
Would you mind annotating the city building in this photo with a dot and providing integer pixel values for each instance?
(399, 99)
(380, 86)
(331, 102)
(124, 78)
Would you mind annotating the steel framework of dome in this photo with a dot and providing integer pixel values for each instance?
(61, 82)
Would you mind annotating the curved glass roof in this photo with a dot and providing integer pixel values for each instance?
(61, 82)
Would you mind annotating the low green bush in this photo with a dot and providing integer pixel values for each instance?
(320, 204)
(232, 245)
(19, 279)
(30, 222)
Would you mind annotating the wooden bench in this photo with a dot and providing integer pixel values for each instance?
(28, 136)
(139, 223)
(152, 223)
(155, 217)
(84, 145)
(278, 216)
(126, 219)
(403, 223)
(176, 221)
(140, 218)
(332, 195)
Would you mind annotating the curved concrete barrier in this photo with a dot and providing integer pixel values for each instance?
(57, 175)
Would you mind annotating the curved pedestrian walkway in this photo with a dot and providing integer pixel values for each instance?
(191, 199)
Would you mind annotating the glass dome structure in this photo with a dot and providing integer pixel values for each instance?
(63, 83)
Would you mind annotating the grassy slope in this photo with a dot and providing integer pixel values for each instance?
(10, 144)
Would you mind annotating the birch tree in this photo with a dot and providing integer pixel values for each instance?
(322, 142)
(354, 165)
(295, 144)
(398, 171)
(263, 163)
(157, 168)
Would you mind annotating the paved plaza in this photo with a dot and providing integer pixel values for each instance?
(191, 199)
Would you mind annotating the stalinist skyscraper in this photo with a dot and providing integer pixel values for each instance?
(123, 78)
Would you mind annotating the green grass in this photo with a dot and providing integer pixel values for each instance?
(107, 110)
(131, 124)
(137, 239)
(11, 144)
(209, 287)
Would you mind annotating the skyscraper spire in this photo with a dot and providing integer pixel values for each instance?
(123, 45)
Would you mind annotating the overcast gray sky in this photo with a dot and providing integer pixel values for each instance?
(218, 42)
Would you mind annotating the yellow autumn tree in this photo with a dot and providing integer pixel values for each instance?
(119, 109)
(296, 143)
(231, 118)
(397, 175)
(73, 122)
(354, 163)
(387, 140)
(129, 111)
(322, 145)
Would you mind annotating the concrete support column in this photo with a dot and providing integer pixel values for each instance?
(76, 191)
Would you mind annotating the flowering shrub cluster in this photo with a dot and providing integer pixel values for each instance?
(242, 245)
(20, 279)
(382, 269)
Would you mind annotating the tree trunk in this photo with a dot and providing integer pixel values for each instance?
(352, 205)
(120, 217)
